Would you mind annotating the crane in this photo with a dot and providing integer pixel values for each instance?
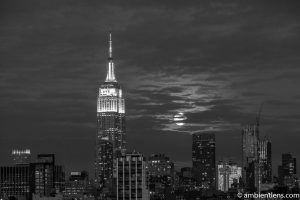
(259, 114)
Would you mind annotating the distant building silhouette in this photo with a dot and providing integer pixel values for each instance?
(203, 158)
(287, 170)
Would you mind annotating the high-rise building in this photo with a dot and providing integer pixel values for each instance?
(265, 161)
(110, 138)
(257, 159)
(250, 176)
(229, 175)
(21, 156)
(131, 177)
(160, 176)
(287, 170)
(204, 160)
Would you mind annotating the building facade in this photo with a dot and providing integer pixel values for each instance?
(160, 172)
(265, 161)
(42, 175)
(15, 182)
(204, 160)
(229, 175)
(21, 156)
(42, 178)
(287, 170)
(250, 137)
(76, 185)
(131, 180)
(110, 137)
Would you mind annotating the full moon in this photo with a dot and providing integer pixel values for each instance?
(179, 119)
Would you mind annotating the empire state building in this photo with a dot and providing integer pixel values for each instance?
(110, 138)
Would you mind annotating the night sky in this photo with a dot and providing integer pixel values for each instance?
(216, 61)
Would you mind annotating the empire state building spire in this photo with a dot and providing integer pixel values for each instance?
(110, 77)
(111, 128)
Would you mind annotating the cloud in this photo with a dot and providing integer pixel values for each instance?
(215, 61)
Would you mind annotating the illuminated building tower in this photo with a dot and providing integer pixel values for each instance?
(250, 157)
(131, 177)
(265, 161)
(203, 158)
(21, 156)
(160, 175)
(229, 175)
(110, 138)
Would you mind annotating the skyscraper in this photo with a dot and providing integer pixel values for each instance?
(110, 138)
(250, 157)
(265, 161)
(204, 160)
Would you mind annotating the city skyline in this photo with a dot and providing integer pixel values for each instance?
(216, 69)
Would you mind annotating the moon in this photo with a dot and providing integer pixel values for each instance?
(179, 119)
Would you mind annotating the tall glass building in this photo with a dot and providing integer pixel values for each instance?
(110, 138)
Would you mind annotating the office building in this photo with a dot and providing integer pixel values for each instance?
(131, 177)
(203, 160)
